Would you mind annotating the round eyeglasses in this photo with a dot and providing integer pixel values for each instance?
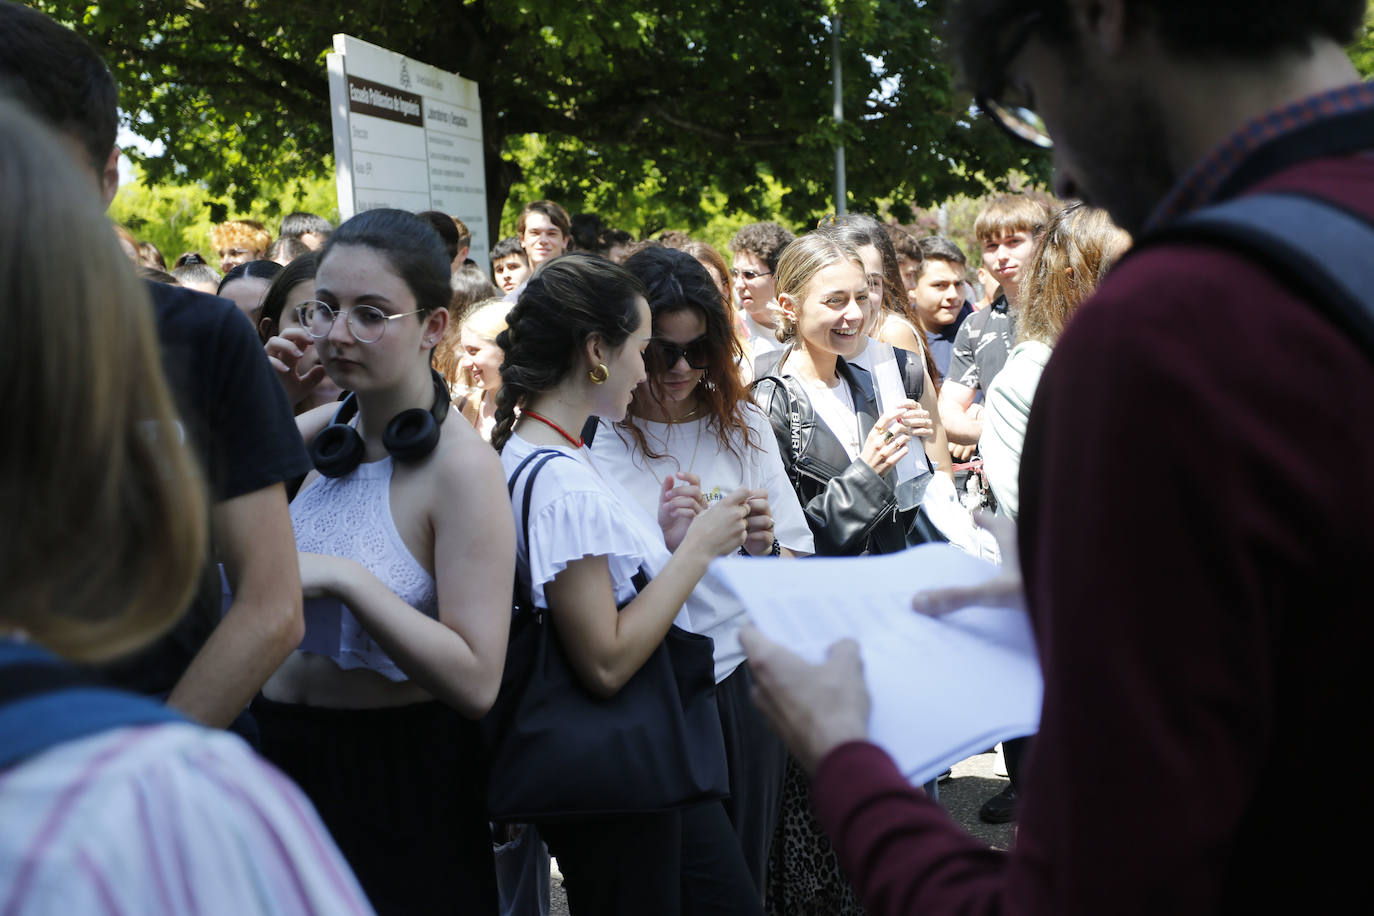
(366, 322)
(1017, 120)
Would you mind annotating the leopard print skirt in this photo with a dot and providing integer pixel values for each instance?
(804, 877)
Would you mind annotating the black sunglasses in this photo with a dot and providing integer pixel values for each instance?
(697, 353)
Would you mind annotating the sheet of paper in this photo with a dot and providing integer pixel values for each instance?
(943, 688)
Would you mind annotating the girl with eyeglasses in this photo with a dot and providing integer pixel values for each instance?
(407, 556)
(691, 429)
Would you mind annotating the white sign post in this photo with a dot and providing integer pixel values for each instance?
(407, 135)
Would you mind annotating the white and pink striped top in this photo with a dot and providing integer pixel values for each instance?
(164, 819)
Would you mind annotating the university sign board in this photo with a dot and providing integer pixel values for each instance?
(406, 135)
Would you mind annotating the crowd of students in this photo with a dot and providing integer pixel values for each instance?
(377, 502)
(707, 409)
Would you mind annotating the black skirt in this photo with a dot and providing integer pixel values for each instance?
(403, 791)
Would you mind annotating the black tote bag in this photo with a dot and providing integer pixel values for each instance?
(557, 752)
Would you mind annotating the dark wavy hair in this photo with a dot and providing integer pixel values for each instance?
(570, 300)
(410, 246)
(298, 271)
(1252, 31)
(676, 281)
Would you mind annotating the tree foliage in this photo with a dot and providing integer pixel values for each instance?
(659, 99)
(177, 217)
(1362, 51)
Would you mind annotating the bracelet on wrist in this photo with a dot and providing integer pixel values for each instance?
(774, 551)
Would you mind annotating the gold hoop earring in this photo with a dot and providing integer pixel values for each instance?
(599, 374)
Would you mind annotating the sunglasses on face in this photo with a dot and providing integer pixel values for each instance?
(697, 353)
(749, 275)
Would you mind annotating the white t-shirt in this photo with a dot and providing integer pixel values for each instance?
(1005, 416)
(834, 404)
(761, 340)
(692, 447)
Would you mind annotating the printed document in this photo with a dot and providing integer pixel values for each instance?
(943, 688)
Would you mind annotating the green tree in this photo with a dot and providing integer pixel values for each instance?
(1362, 51)
(177, 217)
(659, 99)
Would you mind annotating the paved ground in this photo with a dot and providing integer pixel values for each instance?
(972, 784)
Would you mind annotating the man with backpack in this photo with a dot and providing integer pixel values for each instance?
(1196, 578)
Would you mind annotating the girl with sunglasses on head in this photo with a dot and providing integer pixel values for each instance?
(692, 430)
(575, 346)
(407, 540)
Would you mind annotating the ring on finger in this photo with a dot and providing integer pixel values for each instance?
(887, 435)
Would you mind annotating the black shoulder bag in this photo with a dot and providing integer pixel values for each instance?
(556, 752)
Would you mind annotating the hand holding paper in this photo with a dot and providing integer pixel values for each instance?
(942, 688)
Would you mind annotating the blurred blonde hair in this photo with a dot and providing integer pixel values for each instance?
(1078, 246)
(485, 319)
(105, 526)
(801, 260)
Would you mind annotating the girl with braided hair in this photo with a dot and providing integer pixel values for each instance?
(574, 348)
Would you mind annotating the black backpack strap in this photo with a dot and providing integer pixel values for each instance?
(1310, 244)
(538, 458)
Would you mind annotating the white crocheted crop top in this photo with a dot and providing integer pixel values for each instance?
(350, 517)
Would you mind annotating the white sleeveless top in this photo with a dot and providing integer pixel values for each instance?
(350, 516)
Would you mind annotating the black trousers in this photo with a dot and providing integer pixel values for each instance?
(1015, 751)
(758, 760)
(676, 863)
(402, 790)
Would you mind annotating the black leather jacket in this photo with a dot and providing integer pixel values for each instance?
(850, 508)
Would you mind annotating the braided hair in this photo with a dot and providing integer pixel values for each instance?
(567, 302)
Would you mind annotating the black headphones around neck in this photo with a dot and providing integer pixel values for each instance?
(411, 435)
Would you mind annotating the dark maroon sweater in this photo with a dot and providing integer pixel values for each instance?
(1197, 534)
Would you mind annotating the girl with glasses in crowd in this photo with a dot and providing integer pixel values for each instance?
(574, 348)
(692, 429)
(406, 539)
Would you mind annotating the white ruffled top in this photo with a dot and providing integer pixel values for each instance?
(575, 512)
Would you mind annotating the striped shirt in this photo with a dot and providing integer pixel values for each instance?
(164, 819)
